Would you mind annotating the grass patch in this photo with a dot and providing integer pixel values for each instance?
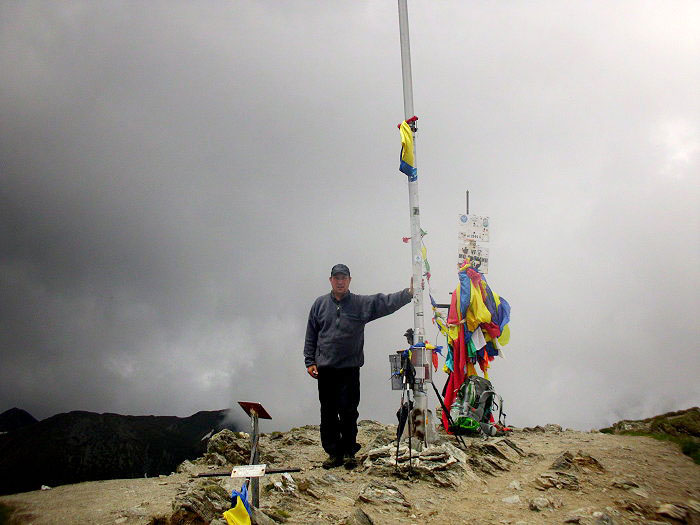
(689, 446)
(5, 514)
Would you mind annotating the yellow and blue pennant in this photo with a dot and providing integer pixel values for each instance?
(408, 161)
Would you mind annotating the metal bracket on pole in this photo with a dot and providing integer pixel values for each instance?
(255, 411)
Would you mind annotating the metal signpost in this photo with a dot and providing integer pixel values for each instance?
(255, 411)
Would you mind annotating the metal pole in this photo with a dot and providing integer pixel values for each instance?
(420, 360)
(254, 457)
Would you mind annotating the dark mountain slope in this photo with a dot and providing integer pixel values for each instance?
(84, 446)
(15, 418)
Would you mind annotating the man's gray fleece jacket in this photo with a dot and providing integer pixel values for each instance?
(335, 333)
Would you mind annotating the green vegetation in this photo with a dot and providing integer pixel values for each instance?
(681, 427)
(5, 514)
(687, 423)
(689, 446)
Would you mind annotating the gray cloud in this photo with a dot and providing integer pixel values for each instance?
(176, 181)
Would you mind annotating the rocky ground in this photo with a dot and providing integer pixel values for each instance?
(540, 475)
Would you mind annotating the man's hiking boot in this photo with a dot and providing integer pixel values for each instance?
(332, 462)
(349, 462)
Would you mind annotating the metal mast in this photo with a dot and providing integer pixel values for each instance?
(420, 359)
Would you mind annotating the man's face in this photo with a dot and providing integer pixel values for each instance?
(340, 283)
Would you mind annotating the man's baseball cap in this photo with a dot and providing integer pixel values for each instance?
(340, 268)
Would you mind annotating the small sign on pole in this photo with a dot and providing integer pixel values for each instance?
(248, 471)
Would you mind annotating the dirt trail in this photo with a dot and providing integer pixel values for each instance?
(661, 473)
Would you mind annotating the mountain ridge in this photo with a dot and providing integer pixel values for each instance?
(80, 446)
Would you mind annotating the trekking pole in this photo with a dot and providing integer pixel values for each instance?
(449, 417)
(408, 422)
(399, 428)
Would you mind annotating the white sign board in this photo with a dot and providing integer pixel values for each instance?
(477, 253)
(472, 239)
(248, 471)
(473, 227)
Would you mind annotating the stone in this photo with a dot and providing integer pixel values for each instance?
(282, 483)
(515, 447)
(203, 501)
(497, 463)
(511, 499)
(672, 511)
(186, 467)
(633, 507)
(624, 483)
(601, 518)
(359, 517)
(258, 517)
(381, 452)
(212, 458)
(584, 460)
(639, 492)
(559, 480)
(552, 428)
(378, 492)
(563, 462)
(580, 461)
(455, 452)
(539, 504)
(329, 479)
(301, 436)
(233, 446)
(515, 484)
(500, 449)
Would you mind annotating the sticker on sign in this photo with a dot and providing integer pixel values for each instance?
(473, 227)
(248, 471)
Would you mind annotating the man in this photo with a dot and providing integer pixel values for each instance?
(333, 354)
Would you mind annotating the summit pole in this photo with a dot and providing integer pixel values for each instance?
(420, 360)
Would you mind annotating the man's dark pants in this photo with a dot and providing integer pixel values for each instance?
(339, 394)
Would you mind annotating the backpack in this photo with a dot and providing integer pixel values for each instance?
(472, 412)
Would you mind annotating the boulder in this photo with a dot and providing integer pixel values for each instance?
(203, 502)
(580, 462)
(212, 458)
(233, 446)
(186, 467)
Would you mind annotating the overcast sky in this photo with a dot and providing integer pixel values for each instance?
(178, 178)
